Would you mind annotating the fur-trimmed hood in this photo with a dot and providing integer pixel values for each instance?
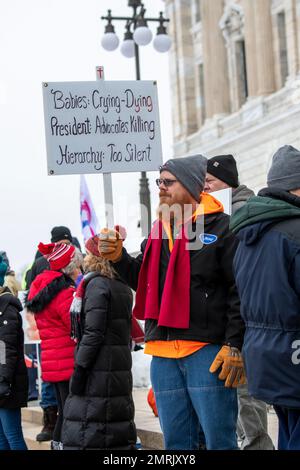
(44, 288)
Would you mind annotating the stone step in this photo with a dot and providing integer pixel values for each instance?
(30, 430)
(148, 427)
(32, 418)
(32, 414)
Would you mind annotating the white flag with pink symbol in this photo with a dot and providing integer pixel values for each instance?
(89, 221)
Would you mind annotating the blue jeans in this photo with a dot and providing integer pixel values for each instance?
(48, 395)
(33, 393)
(11, 434)
(289, 428)
(48, 392)
(187, 394)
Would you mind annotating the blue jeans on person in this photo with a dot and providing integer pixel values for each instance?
(47, 391)
(188, 395)
(33, 392)
(48, 395)
(289, 428)
(11, 434)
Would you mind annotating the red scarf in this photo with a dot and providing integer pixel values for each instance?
(174, 308)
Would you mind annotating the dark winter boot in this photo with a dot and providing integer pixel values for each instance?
(49, 421)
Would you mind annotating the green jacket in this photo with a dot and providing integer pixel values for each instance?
(261, 209)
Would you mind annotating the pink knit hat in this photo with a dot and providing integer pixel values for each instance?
(92, 245)
(58, 255)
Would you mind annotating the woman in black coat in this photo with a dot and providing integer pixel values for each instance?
(99, 412)
(13, 371)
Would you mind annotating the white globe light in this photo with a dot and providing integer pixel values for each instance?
(142, 35)
(127, 48)
(110, 41)
(162, 43)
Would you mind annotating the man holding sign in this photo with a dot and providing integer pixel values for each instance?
(185, 292)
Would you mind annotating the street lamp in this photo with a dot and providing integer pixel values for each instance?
(137, 34)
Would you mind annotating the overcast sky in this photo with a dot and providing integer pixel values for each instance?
(59, 40)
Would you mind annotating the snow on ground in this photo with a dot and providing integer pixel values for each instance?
(141, 369)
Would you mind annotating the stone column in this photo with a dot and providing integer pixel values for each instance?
(264, 47)
(174, 78)
(297, 14)
(292, 38)
(216, 84)
(182, 68)
(250, 46)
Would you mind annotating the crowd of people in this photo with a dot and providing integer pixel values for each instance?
(220, 299)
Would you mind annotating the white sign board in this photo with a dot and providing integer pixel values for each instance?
(102, 127)
(225, 197)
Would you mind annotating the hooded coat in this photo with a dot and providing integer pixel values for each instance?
(12, 369)
(240, 196)
(267, 270)
(102, 417)
(49, 298)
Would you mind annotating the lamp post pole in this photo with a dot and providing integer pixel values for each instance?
(145, 200)
(144, 191)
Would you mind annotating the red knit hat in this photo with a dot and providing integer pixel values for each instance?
(92, 245)
(58, 255)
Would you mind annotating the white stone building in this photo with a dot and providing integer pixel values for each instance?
(235, 78)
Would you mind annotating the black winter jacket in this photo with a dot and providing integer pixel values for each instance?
(214, 302)
(102, 417)
(12, 364)
(39, 265)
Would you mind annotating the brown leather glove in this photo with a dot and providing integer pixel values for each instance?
(110, 244)
(233, 371)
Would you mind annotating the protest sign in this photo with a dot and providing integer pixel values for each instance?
(102, 127)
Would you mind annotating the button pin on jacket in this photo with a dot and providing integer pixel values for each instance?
(5, 322)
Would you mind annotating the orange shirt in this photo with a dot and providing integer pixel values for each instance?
(173, 349)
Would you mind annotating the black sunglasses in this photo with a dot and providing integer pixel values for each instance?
(165, 181)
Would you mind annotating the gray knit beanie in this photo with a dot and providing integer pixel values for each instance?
(285, 169)
(190, 172)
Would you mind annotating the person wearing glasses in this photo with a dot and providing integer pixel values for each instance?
(186, 293)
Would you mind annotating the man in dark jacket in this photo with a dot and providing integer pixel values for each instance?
(222, 173)
(252, 426)
(59, 234)
(267, 267)
(185, 291)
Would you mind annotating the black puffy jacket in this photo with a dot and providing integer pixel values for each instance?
(12, 364)
(103, 417)
(39, 265)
